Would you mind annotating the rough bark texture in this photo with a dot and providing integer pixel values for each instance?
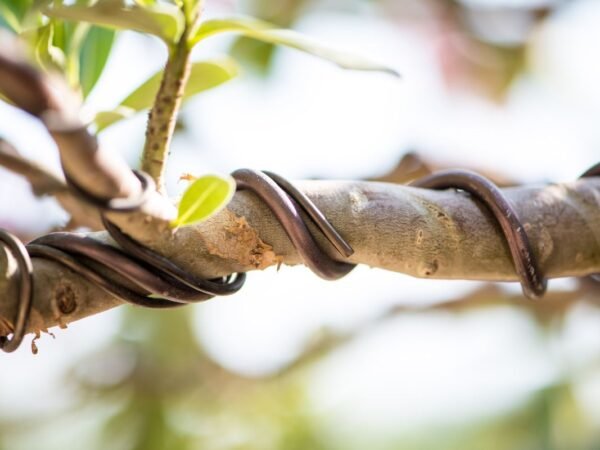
(433, 234)
(163, 116)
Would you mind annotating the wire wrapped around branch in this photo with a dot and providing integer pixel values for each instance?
(138, 275)
(143, 277)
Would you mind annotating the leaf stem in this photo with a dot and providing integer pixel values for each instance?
(163, 115)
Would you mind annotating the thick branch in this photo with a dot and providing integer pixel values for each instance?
(424, 233)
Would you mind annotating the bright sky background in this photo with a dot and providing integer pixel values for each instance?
(313, 119)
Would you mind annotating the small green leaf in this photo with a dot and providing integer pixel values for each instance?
(105, 119)
(47, 54)
(267, 32)
(205, 197)
(8, 19)
(257, 55)
(13, 13)
(160, 19)
(93, 56)
(204, 75)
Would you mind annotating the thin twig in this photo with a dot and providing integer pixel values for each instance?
(98, 171)
(51, 100)
(163, 115)
(44, 182)
(41, 179)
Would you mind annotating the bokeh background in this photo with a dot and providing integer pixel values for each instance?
(377, 360)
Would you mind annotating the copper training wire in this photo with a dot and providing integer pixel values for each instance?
(138, 275)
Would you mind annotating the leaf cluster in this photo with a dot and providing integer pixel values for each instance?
(75, 38)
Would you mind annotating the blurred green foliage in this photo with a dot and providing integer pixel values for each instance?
(258, 55)
(79, 51)
(154, 388)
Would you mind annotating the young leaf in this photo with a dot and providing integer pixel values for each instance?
(204, 75)
(160, 19)
(93, 56)
(267, 32)
(8, 19)
(205, 197)
(13, 13)
(47, 54)
(105, 119)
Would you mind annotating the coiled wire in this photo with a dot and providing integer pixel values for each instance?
(140, 276)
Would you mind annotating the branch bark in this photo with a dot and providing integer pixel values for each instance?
(163, 115)
(95, 169)
(424, 233)
(45, 182)
(419, 232)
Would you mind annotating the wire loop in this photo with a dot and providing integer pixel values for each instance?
(19, 252)
(138, 275)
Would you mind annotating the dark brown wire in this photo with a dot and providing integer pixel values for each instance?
(143, 277)
(18, 250)
(126, 204)
(285, 202)
(593, 171)
(526, 265)
(138, 275)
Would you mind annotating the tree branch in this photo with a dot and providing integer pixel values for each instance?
(419, 232)
(424, 233)
(95, 169)
(44, 182)
(163, 115)
(413, 166)
(56, 106)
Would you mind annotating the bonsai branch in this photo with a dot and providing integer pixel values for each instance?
(424, 233)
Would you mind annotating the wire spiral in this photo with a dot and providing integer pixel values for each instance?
(140, 276)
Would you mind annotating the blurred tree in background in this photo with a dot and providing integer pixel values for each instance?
(153, 384)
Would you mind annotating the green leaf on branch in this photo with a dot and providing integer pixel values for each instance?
(160, 19)
(191, 9)
(204, 75)
(93, 57)
(266, 32)
(8, 19)
(48, 56)
(105, 119)
(205, 197)
(14, 12)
